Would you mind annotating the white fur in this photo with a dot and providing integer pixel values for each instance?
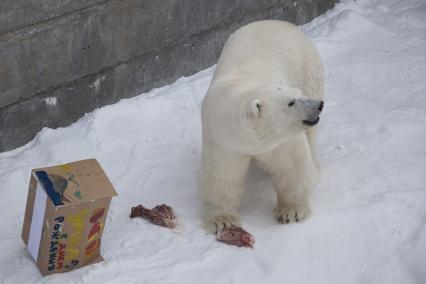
(268, 80)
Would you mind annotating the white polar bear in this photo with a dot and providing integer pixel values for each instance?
(264, 98)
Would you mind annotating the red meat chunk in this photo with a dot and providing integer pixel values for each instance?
(162, 215)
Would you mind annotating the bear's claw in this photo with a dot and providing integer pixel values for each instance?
(286, 215)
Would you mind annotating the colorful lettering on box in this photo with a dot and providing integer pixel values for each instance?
(97, 214)
(61, 256)
(92, 247)
(53, 260)
(94, 233)
(71, 253)
(74, 239)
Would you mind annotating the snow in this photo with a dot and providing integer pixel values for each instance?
(369, 212)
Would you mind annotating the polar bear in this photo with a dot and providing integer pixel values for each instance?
(262, 103)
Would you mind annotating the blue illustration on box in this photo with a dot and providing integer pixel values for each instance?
(55, 186)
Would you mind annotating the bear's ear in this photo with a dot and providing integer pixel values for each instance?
(256, 109)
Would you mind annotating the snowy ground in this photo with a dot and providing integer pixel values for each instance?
(369, 212)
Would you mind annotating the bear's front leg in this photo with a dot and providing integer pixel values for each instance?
(222, 184)
(294, 174)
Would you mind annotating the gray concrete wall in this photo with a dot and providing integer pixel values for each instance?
(60, 59)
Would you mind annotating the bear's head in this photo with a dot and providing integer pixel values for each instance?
(272, 114)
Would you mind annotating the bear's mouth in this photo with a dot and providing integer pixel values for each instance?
(311, 122)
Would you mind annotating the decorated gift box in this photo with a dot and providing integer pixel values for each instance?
(65, 215)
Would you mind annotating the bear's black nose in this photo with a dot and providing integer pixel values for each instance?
(321, 106)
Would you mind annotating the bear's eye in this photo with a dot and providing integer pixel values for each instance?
(291, 103)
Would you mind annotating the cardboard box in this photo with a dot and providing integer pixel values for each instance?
(65, 215)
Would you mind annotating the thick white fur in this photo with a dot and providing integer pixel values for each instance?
(246, 115)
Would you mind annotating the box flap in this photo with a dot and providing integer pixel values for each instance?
(75, 182)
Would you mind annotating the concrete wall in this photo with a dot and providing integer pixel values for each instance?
(62, 58)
